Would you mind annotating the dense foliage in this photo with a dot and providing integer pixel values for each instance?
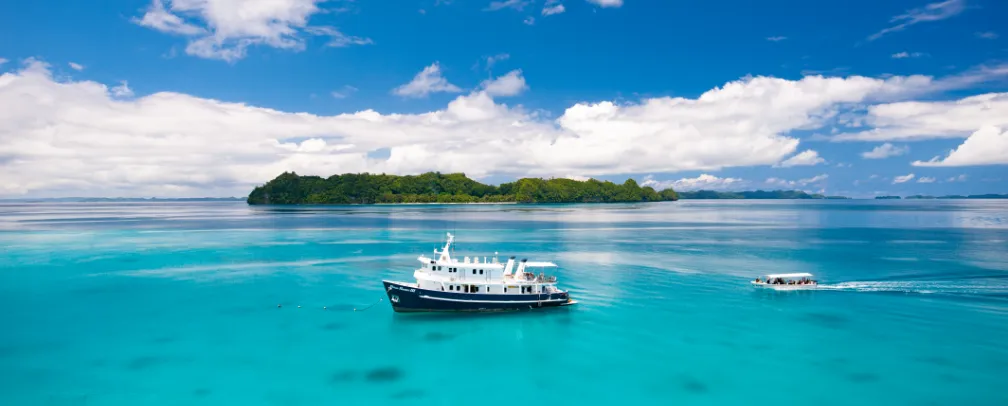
(758, 194)
(432, 187)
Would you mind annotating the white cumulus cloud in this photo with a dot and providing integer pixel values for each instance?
(800, 182)
(904, 55)
(159, 18)
(123, 90)
(338, 39)
(986, 146)
(510, 84)
(702, 182)
(885, 151)
(903, 179)
(76, 66)
(428, 81)
(493, 59)
(66, 137)
(503, 4)
(925, 179)
(552, 8)
(224, 29)
(607, 3)
(805, 158)
(922, 120)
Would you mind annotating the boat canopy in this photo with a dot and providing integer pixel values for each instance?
(789, 275)
(539, 264)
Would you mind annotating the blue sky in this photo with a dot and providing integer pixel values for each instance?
(187, 97)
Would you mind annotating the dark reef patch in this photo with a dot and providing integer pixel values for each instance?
(385, 374)
(435, 336)
(862, 377)
(164, 340)
(828, 320)
(333, 326)
(950, 378)
(935, 360)
(693, 385)
(19, 349)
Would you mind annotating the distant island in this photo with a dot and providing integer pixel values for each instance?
(434, 187)
(887, 197)
(758, 194)
(983, 196)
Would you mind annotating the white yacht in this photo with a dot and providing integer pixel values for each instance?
(476, 284)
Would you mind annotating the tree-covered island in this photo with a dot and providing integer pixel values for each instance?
(433, 187)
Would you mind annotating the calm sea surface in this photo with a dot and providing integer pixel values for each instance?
(176, 304)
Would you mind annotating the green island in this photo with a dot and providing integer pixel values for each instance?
(434, 187)
(757, 194)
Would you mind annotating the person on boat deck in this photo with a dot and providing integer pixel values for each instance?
(758, 280)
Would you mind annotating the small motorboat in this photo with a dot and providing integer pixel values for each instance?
(786, 281)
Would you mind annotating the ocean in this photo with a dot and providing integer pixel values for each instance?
(176, 303)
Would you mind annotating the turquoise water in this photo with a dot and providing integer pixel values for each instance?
(176, 304)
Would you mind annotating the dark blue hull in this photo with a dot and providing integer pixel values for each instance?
(407, 298)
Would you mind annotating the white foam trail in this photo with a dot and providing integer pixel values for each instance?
(923, 287)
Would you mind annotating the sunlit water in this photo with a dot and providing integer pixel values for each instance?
(176, 304)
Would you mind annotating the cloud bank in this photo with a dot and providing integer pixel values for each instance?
(987, 146)
(66, 137)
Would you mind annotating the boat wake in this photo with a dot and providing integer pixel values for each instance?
(921, 287)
